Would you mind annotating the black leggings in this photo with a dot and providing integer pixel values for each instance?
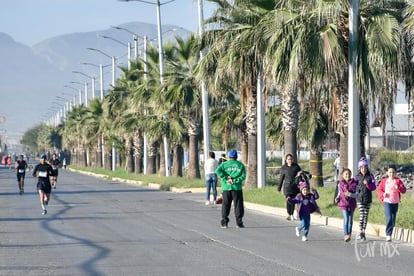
(290, 208)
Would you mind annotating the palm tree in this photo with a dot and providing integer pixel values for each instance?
(181, 93)
(95, 129)
(238, 47)
(321, 31)
(76, 135)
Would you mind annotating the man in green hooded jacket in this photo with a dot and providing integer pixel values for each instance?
(232, 174)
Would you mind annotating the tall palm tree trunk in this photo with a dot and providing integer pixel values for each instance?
(251, 129)
(177, 169)
(108, 159)
(315, 168)
(98, 153)
(251, 171)
(163, 169)
(152, 159)
(138, 151)
(290, 111)
(129, 154)
(244, 144)
(193, 165)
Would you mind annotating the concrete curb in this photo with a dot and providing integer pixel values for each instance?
(400, 234)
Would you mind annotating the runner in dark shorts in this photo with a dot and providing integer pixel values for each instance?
(43, 171)
(55, 163)
(21, 167)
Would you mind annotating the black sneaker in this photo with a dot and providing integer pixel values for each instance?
(361, 236)
(240, 225)
(44, 212)
(224, 226)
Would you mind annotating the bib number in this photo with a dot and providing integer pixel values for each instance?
(42, 174)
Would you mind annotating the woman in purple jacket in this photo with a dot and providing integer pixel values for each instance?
(306, 206)
(346, 201)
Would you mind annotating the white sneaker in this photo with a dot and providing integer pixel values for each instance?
(297, 232)
(207, 202)
(304, 238)
(292, 217)
(388, 238)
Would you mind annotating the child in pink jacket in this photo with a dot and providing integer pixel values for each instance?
(389, 192)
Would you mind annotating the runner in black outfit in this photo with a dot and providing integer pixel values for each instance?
(55, 163)
(21, 167)
(42, 172)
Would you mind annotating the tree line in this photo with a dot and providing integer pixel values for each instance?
(299, 52)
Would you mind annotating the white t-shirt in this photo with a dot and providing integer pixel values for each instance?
(210, 166)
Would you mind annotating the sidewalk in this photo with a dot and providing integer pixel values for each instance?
(400, 234)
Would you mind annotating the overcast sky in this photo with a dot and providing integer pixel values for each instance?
(31, 21)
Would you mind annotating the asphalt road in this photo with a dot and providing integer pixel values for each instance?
(101, 227)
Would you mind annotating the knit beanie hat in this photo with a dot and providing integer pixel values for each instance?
(302, 185)
(362, 163)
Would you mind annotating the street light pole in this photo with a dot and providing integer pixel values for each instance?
(353, 95)
(134, 36)
(113, 63)
(113, 85)
(93, 85)
(80, 91)
(204, 94)
(74, 96)
(161, 61)
(128, 45)
(100, 66)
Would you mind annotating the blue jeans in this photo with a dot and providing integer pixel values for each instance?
(304, 224)
(390, 211)
(211, 183)
(348, 220)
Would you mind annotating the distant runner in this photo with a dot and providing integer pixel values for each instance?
(21, 166)
(55, 163)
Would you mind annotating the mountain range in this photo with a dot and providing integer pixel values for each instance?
(33, 80)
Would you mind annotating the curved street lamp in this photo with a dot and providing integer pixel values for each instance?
(100, 66)
(161, 61)
(128, 45)
(80, 90)
(113, 62)
(113, 85)
(77, 90)
(93, 85)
